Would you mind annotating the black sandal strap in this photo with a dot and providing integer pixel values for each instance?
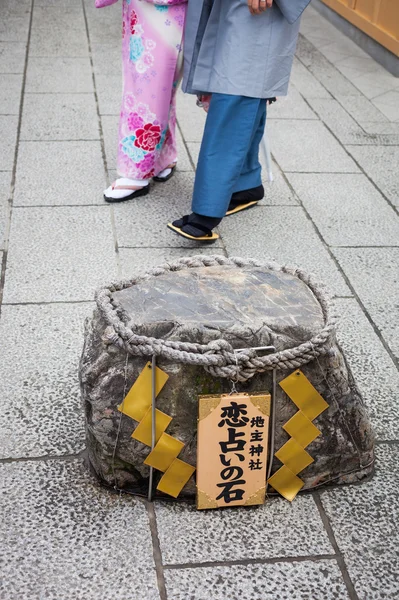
(202, 228)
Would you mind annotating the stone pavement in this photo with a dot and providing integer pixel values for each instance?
(333, 209)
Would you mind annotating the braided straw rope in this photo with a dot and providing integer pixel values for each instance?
(218, 356)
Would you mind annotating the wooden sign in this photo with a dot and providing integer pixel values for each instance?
(232, 450)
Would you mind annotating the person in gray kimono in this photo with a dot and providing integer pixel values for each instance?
(240, 52)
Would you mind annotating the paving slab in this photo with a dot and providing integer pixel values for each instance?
(364, 520)
(109, 92)
(292, 106)
(384, 127)
(388, 103)
(184, 162)
(327, 74)
(12, 57)
(374, 371)
(41, 408)
(347, 209)
(381, 164)
(64, 538)
(373, 272)
(8, 138)
(110, 133)
(71, 173)
(138, 260)
(5, 192)
(65, 16)
(58, 42)
(59, 117)
(307, 146)
(107, 60)
(346, 129)
(10, 94)
(10, 7)
(58, 75)
(276, 529)
(278, 581)
(165, 203)
(376, 83)
(361, 109)
(14, 28)
(59, 254)
(306, 83)
(191, 117)
(283, 234)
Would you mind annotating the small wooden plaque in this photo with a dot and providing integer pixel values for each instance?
(232, 450)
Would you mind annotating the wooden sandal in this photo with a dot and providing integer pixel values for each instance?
(208, 238)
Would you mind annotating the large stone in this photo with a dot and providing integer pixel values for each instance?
(248, 307)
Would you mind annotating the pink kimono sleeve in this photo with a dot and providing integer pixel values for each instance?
(102, 3)
(166, 2)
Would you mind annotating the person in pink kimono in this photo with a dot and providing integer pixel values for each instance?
(152, 35)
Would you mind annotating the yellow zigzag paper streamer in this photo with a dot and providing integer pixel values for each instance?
(302, 431)
(163, 457)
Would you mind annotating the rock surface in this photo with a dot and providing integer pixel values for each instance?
(247, 307)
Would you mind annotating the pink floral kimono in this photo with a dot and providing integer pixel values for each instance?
(152, 34)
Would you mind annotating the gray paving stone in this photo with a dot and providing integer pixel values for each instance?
(278, 192)
(347, 209)
(5, 189)
(361, 108)
(14, 28)
(12, 8)
(306, 83)
(387, 103)
(58, 75)
(110, 133)
(364, 520)
(12, 57)
(107, 60)
(307, 146)
(372, 367)
(376, 83)
(327, 74)
(64, 16)
(8, 138)
(283, 234)
(142, 222)
(59, 117)
(383, 127)
(138, 260)
(66, 538)
(184, 163)
(10, 94)
(373, 272)
(275, 529)
(191, 118)
(344, 127)
(278, 581)
(292, 106)
(70, 173)
(41, 410)
(59, 254)
(381, 164)
(109, 91)
(58, 42)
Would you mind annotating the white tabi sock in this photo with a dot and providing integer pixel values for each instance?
(122, 187)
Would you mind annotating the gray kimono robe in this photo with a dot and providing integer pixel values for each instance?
(230, 51)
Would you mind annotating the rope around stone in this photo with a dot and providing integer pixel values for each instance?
(218, 356)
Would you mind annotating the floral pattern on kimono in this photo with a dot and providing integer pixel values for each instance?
(152, 67)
